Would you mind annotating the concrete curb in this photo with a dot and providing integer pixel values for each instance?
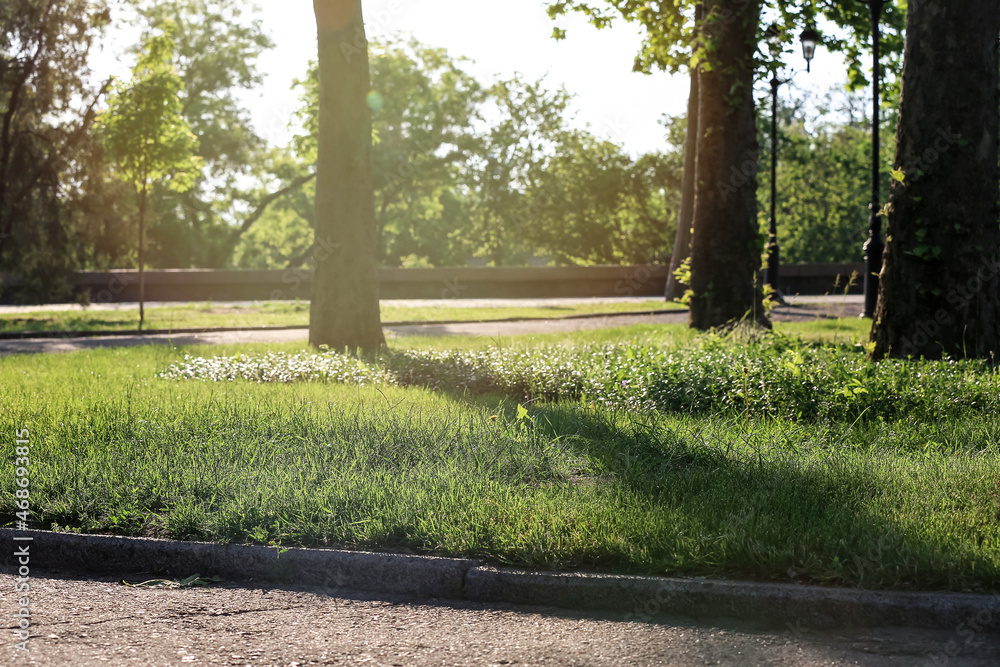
(464, 579)
(803, 606)
(376, 572)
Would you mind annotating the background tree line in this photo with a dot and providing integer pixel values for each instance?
(61, 207)
(464, 170)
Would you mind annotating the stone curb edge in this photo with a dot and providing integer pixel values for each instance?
(641, 597)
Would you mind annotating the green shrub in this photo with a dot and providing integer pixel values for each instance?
(777, 376)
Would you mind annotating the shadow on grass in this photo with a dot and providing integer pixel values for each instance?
(774, 503)
(762, 500)
(560, 485)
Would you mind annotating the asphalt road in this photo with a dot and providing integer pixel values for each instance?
(84, 622)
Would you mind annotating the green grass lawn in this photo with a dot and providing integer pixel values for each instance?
(641, 449)
(281, 313)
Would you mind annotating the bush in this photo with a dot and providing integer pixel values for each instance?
(775, 376)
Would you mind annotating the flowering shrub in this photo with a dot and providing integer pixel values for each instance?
(776, 376)
(277, 367)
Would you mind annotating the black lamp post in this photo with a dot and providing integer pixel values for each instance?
(493, 222)
(809, 39)
(874, 247)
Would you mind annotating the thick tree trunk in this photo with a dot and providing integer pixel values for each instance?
(725, 247)
(344, 312)
(682, 240)
(940, 288)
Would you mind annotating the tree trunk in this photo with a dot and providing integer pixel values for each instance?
(940, 289)
(725, 247)
(682, 240)
(344, 311)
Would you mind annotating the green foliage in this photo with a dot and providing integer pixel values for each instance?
(143, 130)
(283, 235)
(464, 170)
(823, 200)
(47, 156)
(673, 42)
(590, 203)
(824, 179)
(775, 376)
(218, 43)
(670, 30)
(423, 135)
(855, 19)
(525, 125)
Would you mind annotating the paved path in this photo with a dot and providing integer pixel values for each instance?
(410, 303)
(810, 310)
(402, 303)
(82, 622)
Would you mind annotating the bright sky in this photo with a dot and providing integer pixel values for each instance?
(502, 38)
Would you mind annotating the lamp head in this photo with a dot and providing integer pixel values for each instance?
(810, 39)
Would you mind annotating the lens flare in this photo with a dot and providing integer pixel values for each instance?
(375, 101)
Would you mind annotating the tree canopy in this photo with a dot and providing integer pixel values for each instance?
(146, 137)
(48, 103)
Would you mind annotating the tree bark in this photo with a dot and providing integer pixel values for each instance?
(725, 246)
(940, 288)
(344, 310)
(682, 240)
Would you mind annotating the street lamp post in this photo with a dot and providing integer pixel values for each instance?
(809, 39)
(874, 247)
(773, 251)
(493, 228)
